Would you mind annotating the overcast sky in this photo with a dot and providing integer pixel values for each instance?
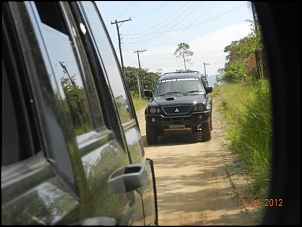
(159, 26)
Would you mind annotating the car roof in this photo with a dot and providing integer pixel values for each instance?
(174, 75)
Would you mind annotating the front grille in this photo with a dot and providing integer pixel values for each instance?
(175, 110)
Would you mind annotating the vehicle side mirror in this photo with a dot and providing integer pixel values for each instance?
(209, 89)
(148, 93)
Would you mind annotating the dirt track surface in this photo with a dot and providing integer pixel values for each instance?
(198, 183)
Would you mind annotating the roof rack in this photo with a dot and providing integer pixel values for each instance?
(183, 72)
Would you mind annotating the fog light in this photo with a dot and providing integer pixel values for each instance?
(200, 117)
(153, 119)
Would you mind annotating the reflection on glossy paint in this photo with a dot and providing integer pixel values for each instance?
(132, 136)
(88, 138)
(133, 140)
(108, 57)
(47, 204)
(99, 163)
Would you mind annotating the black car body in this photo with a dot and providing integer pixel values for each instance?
(180, 102)
(72, 152)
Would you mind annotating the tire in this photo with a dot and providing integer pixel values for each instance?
(151, 134)
(206, 130)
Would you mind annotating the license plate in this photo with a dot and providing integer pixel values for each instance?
(176, 126)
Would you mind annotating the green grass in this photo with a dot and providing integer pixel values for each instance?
(246, 111)
(139, 104)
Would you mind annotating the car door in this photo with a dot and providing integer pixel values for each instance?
(38, 185)
(97, 154)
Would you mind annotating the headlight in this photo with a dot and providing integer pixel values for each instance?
(154, 110)
(199, 107)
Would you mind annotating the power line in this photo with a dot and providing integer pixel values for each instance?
(192, 24)
(185, 15)
(151, 11)
(166, 19)
(184, 29)
(177, 17)
(168, 24)
(127, 9)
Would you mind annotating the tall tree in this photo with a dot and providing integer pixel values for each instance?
(132, 76)
(242, 59)
(183, 51)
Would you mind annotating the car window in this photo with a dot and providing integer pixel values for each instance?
(11, 150)
(73, 85)
(109, 60)
(178, 86)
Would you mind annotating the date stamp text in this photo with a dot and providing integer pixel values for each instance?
(267, 202)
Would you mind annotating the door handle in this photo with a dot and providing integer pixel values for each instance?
(127, 178)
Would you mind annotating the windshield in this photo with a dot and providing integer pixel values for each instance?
(182, 86)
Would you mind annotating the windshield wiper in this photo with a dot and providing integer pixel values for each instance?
(191, 91)
(171, 92)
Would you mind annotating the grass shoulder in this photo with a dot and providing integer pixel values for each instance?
(245, 108)
(139, 103)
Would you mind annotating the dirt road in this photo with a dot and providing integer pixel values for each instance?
(198, 183)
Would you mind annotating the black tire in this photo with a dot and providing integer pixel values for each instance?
(206, 130)
(151, 134)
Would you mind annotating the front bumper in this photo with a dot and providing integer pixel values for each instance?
(190, 121)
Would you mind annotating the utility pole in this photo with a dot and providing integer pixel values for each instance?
(119, 40)
(66, 71)
(140, 71)
(205, 72)
(257, 54)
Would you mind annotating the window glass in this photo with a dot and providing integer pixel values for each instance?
(109, 60)
(20, 129)
(70, 85)
(179, 86)
(73, 86)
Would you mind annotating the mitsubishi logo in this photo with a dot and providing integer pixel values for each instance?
(176, 110)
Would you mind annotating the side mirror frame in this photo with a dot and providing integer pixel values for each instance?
(208, 89)
(148, 93)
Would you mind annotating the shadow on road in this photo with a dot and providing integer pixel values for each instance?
(174, 139)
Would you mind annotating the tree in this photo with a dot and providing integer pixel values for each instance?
(76, 102)
(132, 75)
(242, 58)
(183, 51)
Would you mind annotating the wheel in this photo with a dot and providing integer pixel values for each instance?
(151, 134)
(206, 130)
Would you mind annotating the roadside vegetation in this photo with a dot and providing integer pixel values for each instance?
(244, 100)
(139, 103)
(246, 113)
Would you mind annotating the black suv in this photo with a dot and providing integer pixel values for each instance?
(72, 152)
(180, 102)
